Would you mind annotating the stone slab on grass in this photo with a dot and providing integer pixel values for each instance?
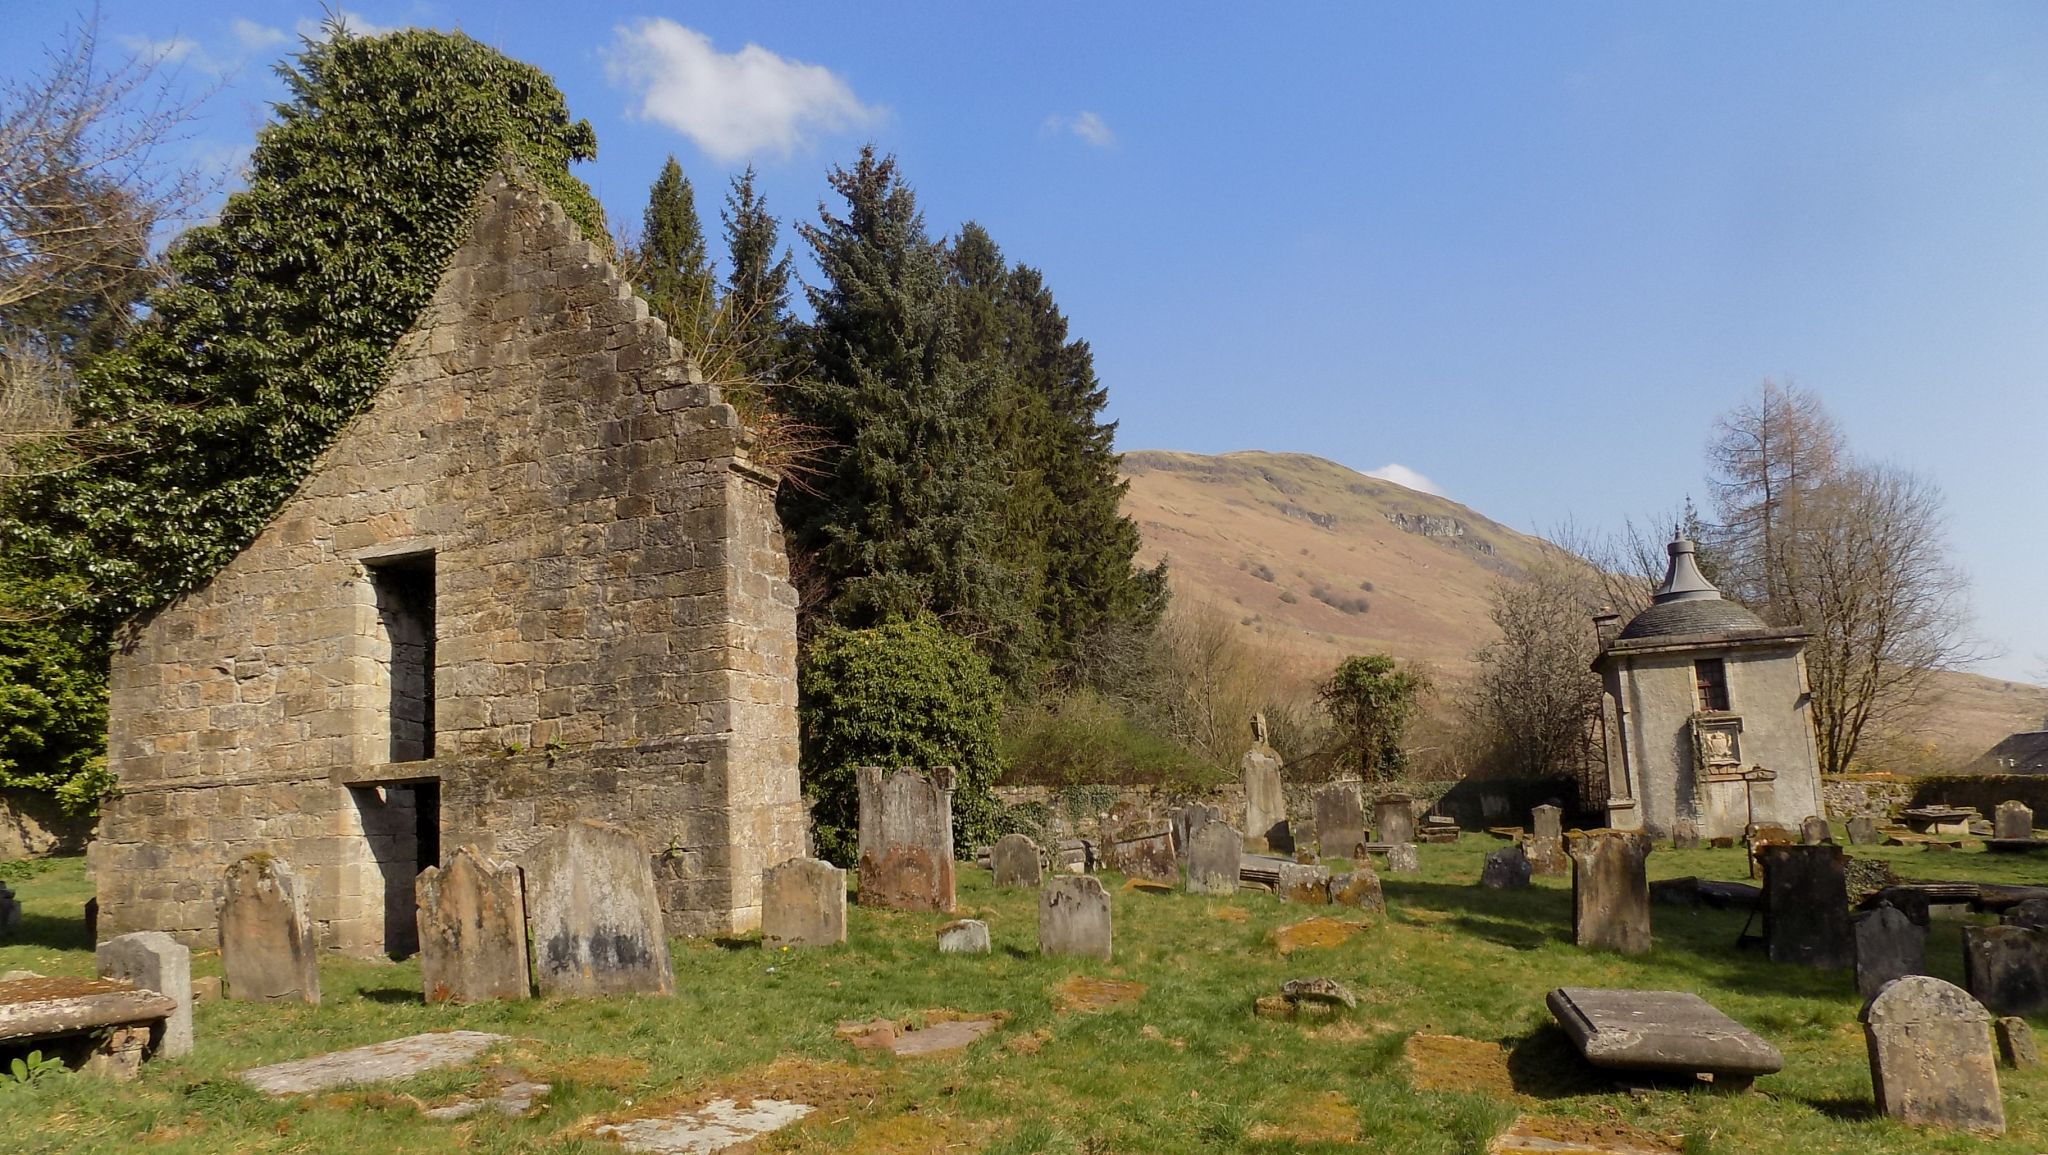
(1531, 1135)
(715, 1126)
(376, 1063)
(1666, 1031)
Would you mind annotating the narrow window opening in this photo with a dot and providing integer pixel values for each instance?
(1710, 678)
(405, 610)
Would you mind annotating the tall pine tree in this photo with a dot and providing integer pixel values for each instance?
(756, 302)
(675, 275)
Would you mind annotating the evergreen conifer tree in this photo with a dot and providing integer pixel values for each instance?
(757, 293)
(675, 275)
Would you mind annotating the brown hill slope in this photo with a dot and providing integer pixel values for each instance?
(1316, 561)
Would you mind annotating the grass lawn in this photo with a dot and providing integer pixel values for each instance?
(1185, 1067)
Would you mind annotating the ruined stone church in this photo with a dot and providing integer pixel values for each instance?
(539, 578)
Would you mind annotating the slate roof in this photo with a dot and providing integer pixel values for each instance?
(2022, 753)
(1701, 616)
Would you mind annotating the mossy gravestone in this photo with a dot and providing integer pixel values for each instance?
(1888, 946)
(1340, 820)
(1394, 815)
(1806, 905)
(1610, 891)
(595, 917)
(906, 838)
(1215, 851)
(1505, 869)
(267, 946)
(803, 903)
(1015, 861)
(472, 922)
(1931, 1062)
(2006, 968)
(1073, 917)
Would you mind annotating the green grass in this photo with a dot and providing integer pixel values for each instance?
(1185, 1068)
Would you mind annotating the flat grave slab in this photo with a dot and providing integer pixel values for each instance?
(1665, 1031)
(376, 1063)
(103, 1026)
(715, 1126)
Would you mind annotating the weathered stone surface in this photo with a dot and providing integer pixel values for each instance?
(2013, 820)
(715, 1126)
(1319, 990)
(1394, 818)
(964, 936)
(803, 903)
(591, 908)
(1813, 831)
(2016, 1043)
(1015, 861)
(1888, 946)
(906, 839)
(1862, 830)
(472, 930)
(1185, 820)
(154, 961)
(1610, 891)
(116, 1019)
(1806, 905)
(1546, 822)
(1505, 869)
(1930, 1056)
(376, 1063)
(266, 933)
(511, 1099)
(1660, 1031)
(1685, 836)
(2006, 968)
(1265, 805)
(1340, 820)
(1073, 917)
(1547, 857)
(10, 912)
(1359, 887)
(1144, 850)
(2031, 913)
(1214, 853)
(1402, 859)
(1299, 882)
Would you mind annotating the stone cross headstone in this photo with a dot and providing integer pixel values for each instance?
(472, 924)
(906, 838)
(267, 945)
(1806, 905)
(1813, 831)
(1073, 917)
(595, 918)
(1214, 853)
(1505, 869)
(1888, 946)
(803, 903)
(154, 961)
(1015, 861)
(1359, 887)
(1300, 882)
(2006, 968)
(1862, 830)
(1546, 821)
(1402, 859)
(1265, 804)
(965, 936)
(1394, 817)
(1610, 891)
(2013, 820)
(1340, 820)
(1931, 1062)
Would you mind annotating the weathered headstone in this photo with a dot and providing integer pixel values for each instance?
(1394, 817)
(1610, 891)
(1806, 905)
(594, 915)
(154, 961)
(803, 903)
(1546, 821)
(965, 936)
(1685, 835)
(1185, 820)
(1265, 804)
(1302, 883)
(1144, 850)
(1214, 854)
(267, 946)
(1547, 857)
(1862, 830)
(906, 838)
(1402, 859)
(1888, 946)
(1015, 861)
(1930, 1056)
(1505, 869)
(2032, 914)
(1340, 820)
(1666, 1031)
(2013, 820)
(1360, 888)
(1073, 917)
(2006, 968)
(2016, 1043)
(472, 927)
(1813, 831)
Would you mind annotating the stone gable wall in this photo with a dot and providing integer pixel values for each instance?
(615, 632)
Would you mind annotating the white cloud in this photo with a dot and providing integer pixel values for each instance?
(254, 37)
(355, 22)
(172, 51)
(1089, 126)
(1403, 476)
(732, 104)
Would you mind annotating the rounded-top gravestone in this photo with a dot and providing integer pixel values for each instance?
(1073, 917)
(1931, 1061)
(1015, 861)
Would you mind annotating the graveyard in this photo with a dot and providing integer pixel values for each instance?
(1158, 1048)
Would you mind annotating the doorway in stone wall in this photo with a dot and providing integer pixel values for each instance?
(401, 824)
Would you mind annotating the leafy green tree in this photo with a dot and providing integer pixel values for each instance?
(1370, 700)
(674, 273)
(904, 694)
(756, 299)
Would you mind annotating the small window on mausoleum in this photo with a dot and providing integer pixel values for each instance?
(1710, 677)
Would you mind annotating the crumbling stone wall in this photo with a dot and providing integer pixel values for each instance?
(614, 629)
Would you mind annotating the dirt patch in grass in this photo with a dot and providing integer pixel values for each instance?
(1553, 1136)
(834, 1089)
(1082, 993)
(923, 1034)
(1324, 1118)
(613, 1072)
(1147, 886)
(1230, 913)
(1028, 1044)
(1449, 1063)
(1313, 933)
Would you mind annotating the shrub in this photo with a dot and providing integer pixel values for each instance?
(1083, 738)
(902, 694)
(1340, 602)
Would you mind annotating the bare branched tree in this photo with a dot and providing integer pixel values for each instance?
(1536, 693)
(1768, 457)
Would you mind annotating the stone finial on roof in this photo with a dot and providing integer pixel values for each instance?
(1684, 582)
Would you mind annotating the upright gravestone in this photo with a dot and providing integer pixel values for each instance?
(1394, 816)
(2032, 914)
(1360, 888)
(1862, 830)
(154, 961)
(2012, 820)
(1546, 821)
(267, 946)
(1340, 820)
(2006, 968)
(594, 915)
(803, 903)
(2016, 1043)
(1806, 905)
(1265, 804)
(1814, 831)
(1144, 850)
(472, 924)
(10, 914)
(1214, 854)
(1931, 1061)
(1014, 860)
(1301, 882)
(1505, 869)
(1610, 891)
(1402, 859)
(1185, 820)
(1073, 917)
(964, 936)
(1888, 946)
(906, 838)
(1545, 848)
(1685, 835)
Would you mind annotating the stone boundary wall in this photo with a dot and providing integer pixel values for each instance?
(1983, 791)
(1880, 795)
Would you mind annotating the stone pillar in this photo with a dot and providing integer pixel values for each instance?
(1610, 891)
(472, 924)
(156, 962)
(906, 838)
(1806, 905)
(803, 903)
(1265, 804)
(1931, 1062)
(1340, 820)
(1394, 816)
(267, 946)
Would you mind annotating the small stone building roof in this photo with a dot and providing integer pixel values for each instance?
(1672, 619)
(2022, 753)
(1688, 609)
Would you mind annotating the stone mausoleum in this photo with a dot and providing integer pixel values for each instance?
(1706, 714)
(539, 578)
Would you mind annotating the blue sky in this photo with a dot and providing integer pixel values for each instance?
(1525, 251)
